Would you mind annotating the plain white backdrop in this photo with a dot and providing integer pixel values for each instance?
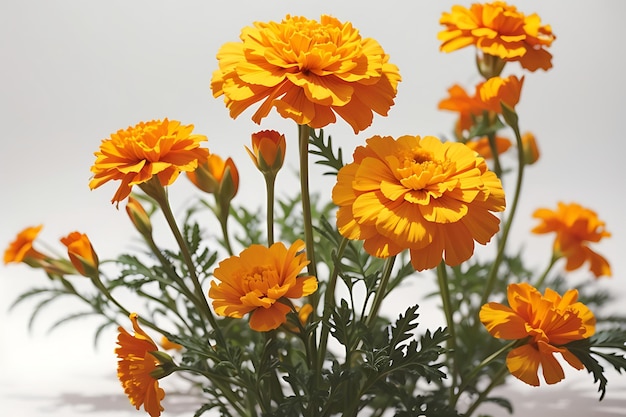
(73, 72)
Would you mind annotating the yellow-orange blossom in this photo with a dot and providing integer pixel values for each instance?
(259, 281)
(432, 198)
(546, 322)
(309, 71)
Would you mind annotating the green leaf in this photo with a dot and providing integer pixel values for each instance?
(325, 151)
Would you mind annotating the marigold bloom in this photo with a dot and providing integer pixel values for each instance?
(549, 321)
(418, 194)
(575, 227)
(482, 148)
(497, 90)
(308, 70)
(500, 30)
(161, 148)
(21, 248)
(268, 151)
(81, 253)
(488, 96)
(135, 368)
(257, 280)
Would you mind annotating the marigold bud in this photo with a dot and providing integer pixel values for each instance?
(82, 254)
(138, 216)
(530, 148)
(268, 151)
(216, 176)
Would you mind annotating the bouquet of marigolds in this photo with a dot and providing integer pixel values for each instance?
(275, 309)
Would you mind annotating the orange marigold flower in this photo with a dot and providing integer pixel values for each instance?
(575, 227)
(21, 249)
(500, 30)
(482, 148)
(418, 194)
(497, 90)
(308, 70)
(268, 151)
(161, 148)
(549, 321)
(258, 281)
(81, 253)
(487, 97)
(136, 367)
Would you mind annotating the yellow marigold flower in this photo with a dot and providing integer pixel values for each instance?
(530, 148)
(487, 97)
(418, 194)
(268, 151)
(482, 148)
(81, 253)
(308, 70)
(575, 227)
(549, 321)
(497, 90)
(500, 30)
(136, 366)
(258, 281)
(161, 148)
(21, 249)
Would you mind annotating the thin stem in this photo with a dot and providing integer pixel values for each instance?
(470, 377)
(497, 379)
(444, 290)
(497, 168)
(381, 292)
(162, 200)
(222, 215)
(304, 131)
(270, 181)
(329, 302)
(543, 276)
(493, 272)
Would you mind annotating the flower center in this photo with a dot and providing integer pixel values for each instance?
(260, 278)
(419, 170)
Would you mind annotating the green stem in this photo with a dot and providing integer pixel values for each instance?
(270, 180)
(162, 200)
(444, 290)
(497, 379)
(493, 272)
(497, 168)
(329, 302)
(469, 378)
(381, 292)
(222, 215)
(543, 276)
(303, 133)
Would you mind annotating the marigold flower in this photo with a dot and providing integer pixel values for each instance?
(308, 70)
(482, 148)
(160, 148)
(549, 321)
(258, 280)
(136, 367)
(21, 249)
(488, 96)
(268, 151)
(500, 30)
(418, 194)
(530, 148)
(575, 227)
(497, 90)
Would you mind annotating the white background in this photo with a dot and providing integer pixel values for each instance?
(73, 72)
